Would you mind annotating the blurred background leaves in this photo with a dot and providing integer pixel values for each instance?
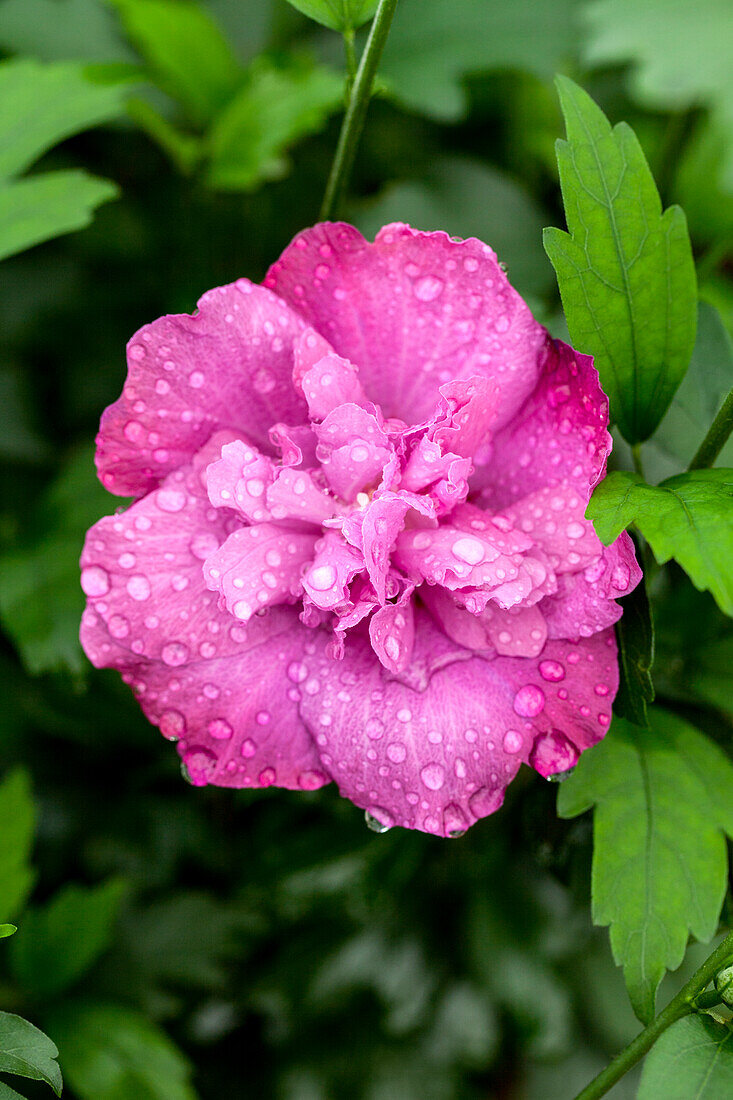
(178, 943)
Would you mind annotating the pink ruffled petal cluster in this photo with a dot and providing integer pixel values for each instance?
(358, 550)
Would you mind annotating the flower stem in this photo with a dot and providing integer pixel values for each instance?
(355, 116)
(688, 1000)
(716, 438)
(636, 458)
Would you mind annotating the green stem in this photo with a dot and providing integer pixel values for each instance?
(689, 998)
(355, 116)
(636, 459)
(716, 438)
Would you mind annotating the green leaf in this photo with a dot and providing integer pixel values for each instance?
(277, 105)
(17, 827)
(662, 796)
(339, 15)
(41, 601)
(43, 104)
(691, 1060)
(680, 53)
(27, 1052)
(468, 199)
(60, 940)
(188, 55)
(625, 269)
(111, 1052)
(7, 930)
(688, 517)
(635, 638)
(35, 209)
(433, 45)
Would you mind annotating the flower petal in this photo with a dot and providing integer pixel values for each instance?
(412, 310)
(558, 437)
(236, 719)
(227, 366)
(259, 566)
(239, 480)
(439, 757)
(392, 633)
(353, 450)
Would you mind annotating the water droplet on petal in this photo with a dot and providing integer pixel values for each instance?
(174, 654)
(529, 701)
(396, 752)
(512, 741)
(428, 288)
(552, 671)
(138, 587)
(219, 729)
(322, 577)
(95, 581)
(433, 776)
(469, 550)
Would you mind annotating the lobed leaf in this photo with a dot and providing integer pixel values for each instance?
(663, 797)
(624, 268)
(688, 517)
(691, 1060)
(27, 1052)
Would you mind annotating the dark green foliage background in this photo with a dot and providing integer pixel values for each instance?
(285, 950)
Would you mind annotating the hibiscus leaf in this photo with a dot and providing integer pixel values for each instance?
(635, 637)
(339, 15)
(688, 517)
(27, 1052)
(59, 941)
(692, 1058)
(188, 55)
(680, 52)
(35, 209)
(625, 269)
(17, 827)
(110, 1051)
(43, 104)
(662, 796)
(278, 104)
(433, 45)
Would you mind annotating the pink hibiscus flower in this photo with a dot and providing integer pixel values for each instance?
(358, 550)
